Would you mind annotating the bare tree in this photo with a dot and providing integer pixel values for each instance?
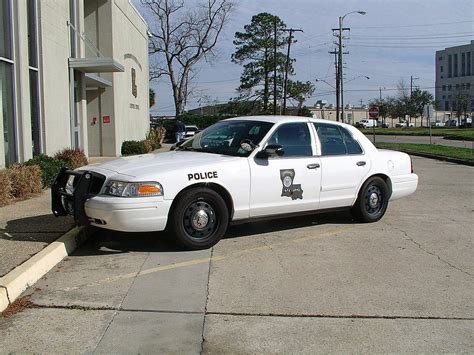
(180, 38)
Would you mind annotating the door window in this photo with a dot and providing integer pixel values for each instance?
(294, 138)
(336, 140)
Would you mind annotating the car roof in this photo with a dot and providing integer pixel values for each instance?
(278, 119)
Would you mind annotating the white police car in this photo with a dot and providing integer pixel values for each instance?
(238, 169)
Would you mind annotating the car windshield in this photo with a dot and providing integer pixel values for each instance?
(225, 137)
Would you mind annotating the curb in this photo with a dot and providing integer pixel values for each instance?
(439, 157)
(13, 284)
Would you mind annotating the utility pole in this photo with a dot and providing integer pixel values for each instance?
(340, 35)
(274, 66)
(287, 65)
(412, 79)
(380, 89)
(336, 65)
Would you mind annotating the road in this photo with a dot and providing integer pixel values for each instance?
(422, 140)
(311, 284)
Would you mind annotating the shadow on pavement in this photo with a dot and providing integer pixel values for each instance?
(106, 242)
(35, 229)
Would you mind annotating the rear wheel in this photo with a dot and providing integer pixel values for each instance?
(199, 219)
(372, 201)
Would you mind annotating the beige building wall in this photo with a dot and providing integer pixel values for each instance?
(96, 114)
(131, 98)
(54, 53)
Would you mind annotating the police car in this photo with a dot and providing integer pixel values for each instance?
(235, 170)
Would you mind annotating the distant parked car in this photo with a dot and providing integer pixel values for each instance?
(190, 131)
(437, 124)
(451, 123)
(405, 124)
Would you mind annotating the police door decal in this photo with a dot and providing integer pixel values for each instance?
(289, 189)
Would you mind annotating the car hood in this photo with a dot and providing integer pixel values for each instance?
(140, 165)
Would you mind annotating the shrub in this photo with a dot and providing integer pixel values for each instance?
(49, 168)
(5, 188)
(25, 180)
(74, 158)
(133, 147)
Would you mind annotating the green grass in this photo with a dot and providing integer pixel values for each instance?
(441, 150)
(448, 133)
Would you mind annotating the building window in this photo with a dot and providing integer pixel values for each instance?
(449, 87)
(31, 8)
(468, 63)
(468, 86)
(455, 65)
(444, 87)
(450, 66)
(446, 105)
(440, 58)
(444, 96)
(441, 68)
(7, 120)
(463, 64)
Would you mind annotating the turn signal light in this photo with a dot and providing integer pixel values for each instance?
(148, 189)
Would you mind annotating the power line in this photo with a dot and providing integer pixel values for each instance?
(418, 25)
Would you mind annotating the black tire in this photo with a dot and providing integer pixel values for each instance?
(372, 201)
(199, 219)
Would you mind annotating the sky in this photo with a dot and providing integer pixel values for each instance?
(395, 40)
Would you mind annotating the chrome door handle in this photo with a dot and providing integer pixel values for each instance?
(313, 166)
(361, 163)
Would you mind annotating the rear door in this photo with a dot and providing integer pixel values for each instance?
(290, 183)
(344, 165)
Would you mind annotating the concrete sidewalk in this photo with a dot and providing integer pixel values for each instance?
(32, 240)
(27, 227)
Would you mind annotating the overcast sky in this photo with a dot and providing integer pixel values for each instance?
(394, 40)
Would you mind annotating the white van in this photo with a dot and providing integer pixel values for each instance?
(369, 123)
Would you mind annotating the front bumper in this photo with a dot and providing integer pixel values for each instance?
(117, 213)
(128, 214)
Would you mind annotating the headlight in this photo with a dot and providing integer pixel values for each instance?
(134, 189)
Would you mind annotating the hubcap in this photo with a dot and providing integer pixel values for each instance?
(374, 200)
(200, 220)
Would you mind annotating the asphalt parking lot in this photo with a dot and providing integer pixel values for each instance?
(320, 283)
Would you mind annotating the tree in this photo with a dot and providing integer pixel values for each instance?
(152, 97)
(299, 91)
(255, 50)
(180, 39)
(462, 103)
(418, 100)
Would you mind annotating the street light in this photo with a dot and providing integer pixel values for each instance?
(324, 81)
(357, 77)
(341, 77)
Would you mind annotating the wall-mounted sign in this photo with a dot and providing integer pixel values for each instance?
(106, 119)
(134, 85)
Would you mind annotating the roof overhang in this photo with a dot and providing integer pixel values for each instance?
(96, 65)
(95, 81)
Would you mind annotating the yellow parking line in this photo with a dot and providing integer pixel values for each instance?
(215, 258)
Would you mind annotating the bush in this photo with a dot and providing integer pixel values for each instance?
(74, 158)
(49, 168)
(5, 188)
(25, 180)
(133, 147)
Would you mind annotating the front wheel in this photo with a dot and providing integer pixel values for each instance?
(372, 201)
(199, 219)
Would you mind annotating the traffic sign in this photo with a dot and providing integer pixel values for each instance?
(374, 112)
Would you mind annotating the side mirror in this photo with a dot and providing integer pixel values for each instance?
(270, 150)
